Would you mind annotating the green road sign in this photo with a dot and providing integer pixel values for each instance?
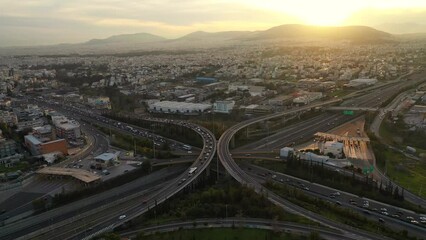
(348, 112)
(365, 170)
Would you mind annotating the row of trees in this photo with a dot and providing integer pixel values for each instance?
(217, 202)
(317, 172)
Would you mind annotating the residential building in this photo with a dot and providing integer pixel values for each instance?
(7, 148)
(21, 125)
(9, 118)
(65, 128)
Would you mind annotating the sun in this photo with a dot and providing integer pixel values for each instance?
(311, 12)
(321, 17)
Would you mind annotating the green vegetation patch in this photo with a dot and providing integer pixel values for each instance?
(409, 173)
(316, 172)
(225, 234)
(333, 211)
(143, 146)
(219, 201)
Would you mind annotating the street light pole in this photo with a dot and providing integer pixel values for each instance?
(153, 143)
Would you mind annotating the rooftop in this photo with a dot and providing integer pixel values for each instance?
(106, 156)
(79, 174)
(33, 139)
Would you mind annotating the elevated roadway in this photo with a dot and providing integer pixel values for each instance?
(242, 177)
(133, 207)
(268, 224)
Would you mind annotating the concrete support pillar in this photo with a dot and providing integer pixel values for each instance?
(233, 141)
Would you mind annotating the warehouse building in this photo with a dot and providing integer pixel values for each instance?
(223, 106)
(178, 107)
(361, 82)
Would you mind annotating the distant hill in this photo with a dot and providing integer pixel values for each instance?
(148, 42)
(295, 31)
(402, 28)
(127, 38)
(228, 35)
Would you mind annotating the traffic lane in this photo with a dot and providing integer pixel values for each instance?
(103, 198)
(388, 221)
(342, 198)
(180, 182)
(240, 222)
(327, 191)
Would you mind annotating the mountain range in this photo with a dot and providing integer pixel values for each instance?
(145, 41)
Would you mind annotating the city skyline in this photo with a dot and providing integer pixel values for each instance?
(47, 22)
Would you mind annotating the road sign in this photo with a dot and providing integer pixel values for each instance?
(348, 112)
(367, 170)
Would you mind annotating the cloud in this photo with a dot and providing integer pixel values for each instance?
(50, 21)
(84, 20)
(374, 17)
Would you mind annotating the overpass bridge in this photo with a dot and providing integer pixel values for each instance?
(363, 109)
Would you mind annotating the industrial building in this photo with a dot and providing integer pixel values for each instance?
(286, 152)
(223, 106)
(257, 109)
(38, 147)
(206, 80)
(178, 107)
(106, 159)
(333, 147)
(307, 97)
(99, 102)
(361, 82)
(310, 156)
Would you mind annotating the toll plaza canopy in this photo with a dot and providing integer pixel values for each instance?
(341, 138)
(82, 175)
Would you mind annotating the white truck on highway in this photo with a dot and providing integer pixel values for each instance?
(192, 170)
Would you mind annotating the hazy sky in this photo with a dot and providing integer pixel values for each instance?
(34, 22)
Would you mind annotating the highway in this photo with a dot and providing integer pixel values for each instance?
(394, 217)
(269, 224)
(375, 129)
(131, 207)
(368, 100)
(28, 225)
(298, 133)
(97, 143)
(242, 177)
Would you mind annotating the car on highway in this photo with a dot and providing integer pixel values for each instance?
(121, 217)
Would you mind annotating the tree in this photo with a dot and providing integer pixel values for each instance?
(39, 204)
(396, 193)
(110, 236)
(314, 236)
